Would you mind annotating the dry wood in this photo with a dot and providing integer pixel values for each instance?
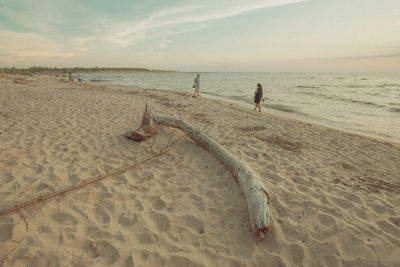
(254, 191)
(146, 129)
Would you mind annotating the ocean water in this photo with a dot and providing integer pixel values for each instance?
(363, 103)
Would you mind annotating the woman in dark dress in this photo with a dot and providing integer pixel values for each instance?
(258, 96)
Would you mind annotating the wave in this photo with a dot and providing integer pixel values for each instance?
(395, 110)
(309, 93)
(393, 104)
(306, 86)
(374, 94)
(340, 99)
(353, 101)
(285, 109)
(367, 103)
(99, 81)
(354, 86)
(389, 85)
(212, 94)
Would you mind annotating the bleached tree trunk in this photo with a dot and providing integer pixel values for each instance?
(256, 195)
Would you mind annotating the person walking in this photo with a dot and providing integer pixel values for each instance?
(70, 77)
(258, 96)
(196, 85)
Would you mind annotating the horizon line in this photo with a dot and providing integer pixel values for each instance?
(54, 68)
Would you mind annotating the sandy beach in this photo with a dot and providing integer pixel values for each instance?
(335, 195)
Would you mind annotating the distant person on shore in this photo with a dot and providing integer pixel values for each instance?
(70, 77)
(80, 79)
(258, 96)
(196, 85)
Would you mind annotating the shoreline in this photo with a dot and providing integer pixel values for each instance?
(363, 130)
(268, 112)
(335, 195)
(305, 120)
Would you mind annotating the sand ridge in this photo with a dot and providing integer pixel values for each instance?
(335, 195)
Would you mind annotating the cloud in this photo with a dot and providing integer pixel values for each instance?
(66, 20)
(189, 17)
(59, 29)
(395, 55)
(165, 43)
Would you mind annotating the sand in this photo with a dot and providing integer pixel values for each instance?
(334, 194)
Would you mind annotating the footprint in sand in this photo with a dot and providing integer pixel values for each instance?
(182, 261)
(198, 202)
(101, 215)
(212, 196)
(73, 178)
(158, 204)
(294, 251)
(147, 238)
(138, 205)
(64, 218)
(326, 219)
(272, 176)
(41, 259)
(151, 258)
(45, 187)
(120, 179)
(251, 154)
(185, 189)
(107, 253)
(127, 220)
(7, 178)
(6, 229)
(193, 223)
(38, 169)
(88, 247)
(160, 220)
(147, 175)
(342, 203)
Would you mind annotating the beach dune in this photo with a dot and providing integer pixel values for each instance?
(335, 195)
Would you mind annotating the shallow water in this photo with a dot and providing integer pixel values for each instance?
(364, 103)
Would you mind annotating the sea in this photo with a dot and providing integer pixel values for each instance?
(366, 103)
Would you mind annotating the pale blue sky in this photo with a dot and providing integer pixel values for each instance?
(206, 35)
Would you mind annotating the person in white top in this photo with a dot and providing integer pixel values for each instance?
(196, 85)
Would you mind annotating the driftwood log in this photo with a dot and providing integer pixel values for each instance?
(254, 191)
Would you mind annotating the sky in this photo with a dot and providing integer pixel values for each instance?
(206, 35)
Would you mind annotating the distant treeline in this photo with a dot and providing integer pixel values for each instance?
(33, 70)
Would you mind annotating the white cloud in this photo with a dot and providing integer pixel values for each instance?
(164, 43)
(56, 35)
(57, 20)
(186, 18)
